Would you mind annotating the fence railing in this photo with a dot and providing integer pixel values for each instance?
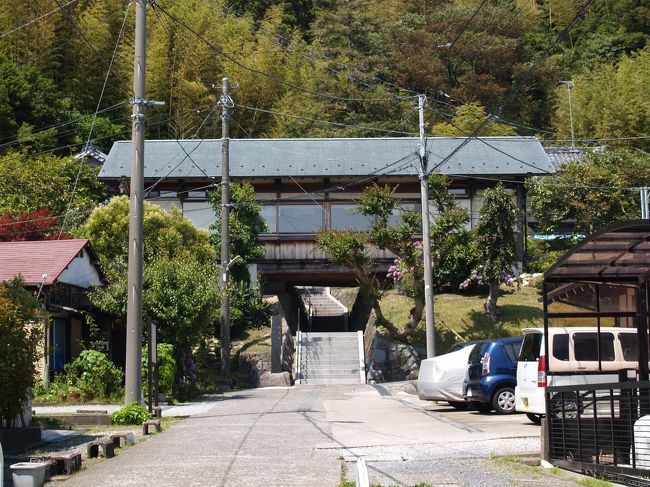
(603, 428)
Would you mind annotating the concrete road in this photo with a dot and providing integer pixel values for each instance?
(310, 435)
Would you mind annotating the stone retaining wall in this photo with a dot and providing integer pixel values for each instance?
(388, 361)
(256, 366)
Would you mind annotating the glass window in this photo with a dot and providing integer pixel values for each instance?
(561, 346)
(585, 346)
(477, 352)
(269, 217)
(300, 218)
(630, 346)
(343, 216)
(512, 349)
(396, 217)
(531, 347)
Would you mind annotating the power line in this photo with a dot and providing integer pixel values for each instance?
(232, 59)
(520, 83)
(328, 122)
(466, 25)
(27, 24)
(98, 56)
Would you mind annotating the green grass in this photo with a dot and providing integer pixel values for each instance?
(463, 314)
(252, 340)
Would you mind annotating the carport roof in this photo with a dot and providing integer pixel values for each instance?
(331, 157)
(619, 252)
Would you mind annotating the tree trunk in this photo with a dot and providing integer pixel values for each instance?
(490, 304)
(415, 316)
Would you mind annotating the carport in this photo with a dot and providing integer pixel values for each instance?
(594, 424)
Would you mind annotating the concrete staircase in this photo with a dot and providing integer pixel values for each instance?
(327, 313)
(330, 358)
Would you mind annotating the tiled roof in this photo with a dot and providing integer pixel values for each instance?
(33, 260)
(561, 155)
(331, 157)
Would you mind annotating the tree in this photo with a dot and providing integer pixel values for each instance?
(468, 118)
(585, 196)
(351, 248)
(496, 246)
(36, 225)
(609, 101)
(20, 336)
(245, 225)
(167, 234)
(30, 183)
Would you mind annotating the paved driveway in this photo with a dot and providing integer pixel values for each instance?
(306, 435)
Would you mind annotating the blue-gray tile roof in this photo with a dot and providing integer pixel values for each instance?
(330, 157)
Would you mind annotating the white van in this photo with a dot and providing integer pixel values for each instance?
(574, 356)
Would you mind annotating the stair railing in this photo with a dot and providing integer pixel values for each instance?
(362, 359)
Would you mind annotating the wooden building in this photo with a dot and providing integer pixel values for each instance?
(308, 184)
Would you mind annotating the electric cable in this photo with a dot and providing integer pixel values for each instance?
(27, 24)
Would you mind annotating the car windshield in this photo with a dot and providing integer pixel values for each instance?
(531, 347)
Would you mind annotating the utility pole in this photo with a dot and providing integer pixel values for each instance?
(226, 105)
(133, 385)
(569, 86)
(644, 202)
(426, 237)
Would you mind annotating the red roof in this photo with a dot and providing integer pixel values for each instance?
(33, 259)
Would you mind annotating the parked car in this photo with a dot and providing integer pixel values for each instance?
(574, 358)
(441, 378)
(492, 375)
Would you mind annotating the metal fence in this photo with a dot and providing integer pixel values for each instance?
(602, 429)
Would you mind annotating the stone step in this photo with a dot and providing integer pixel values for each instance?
(331, 381)
(338, 373)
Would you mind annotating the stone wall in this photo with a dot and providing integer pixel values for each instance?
(256, 367)
(388, 361)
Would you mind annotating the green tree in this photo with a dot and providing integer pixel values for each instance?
(592, 193)
(20, 334)
(609, 101)
(468, 118)
(30, 183)
(167, 234)
(245, 225)
(351, 248)
(495, 241)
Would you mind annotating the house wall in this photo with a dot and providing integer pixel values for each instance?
(81, 272)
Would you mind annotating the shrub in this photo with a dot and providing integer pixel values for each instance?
(131, 414)
(19, 339)
(166, 367)
(95, 373)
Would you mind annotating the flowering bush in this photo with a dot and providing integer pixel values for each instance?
(477, 279)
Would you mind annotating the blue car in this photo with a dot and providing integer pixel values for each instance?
(492, 375)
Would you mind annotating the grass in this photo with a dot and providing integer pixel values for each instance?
(463, 314)
(252, 340)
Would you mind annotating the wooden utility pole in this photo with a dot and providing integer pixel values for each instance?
(133, 385)
(426, 237)
(226, 105)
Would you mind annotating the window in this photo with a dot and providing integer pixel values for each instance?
(512, 349)
(630, 346)
(344, 216)
(300, 218)
(531, 347)
(561, 346)
(269, 215)
(396, 217)
(585, 346)
(477, 353)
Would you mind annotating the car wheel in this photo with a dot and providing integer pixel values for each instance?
(503, 400)
(535, 418)
(570, 406)
(460, 405)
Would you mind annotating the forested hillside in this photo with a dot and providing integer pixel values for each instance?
(324, 68)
